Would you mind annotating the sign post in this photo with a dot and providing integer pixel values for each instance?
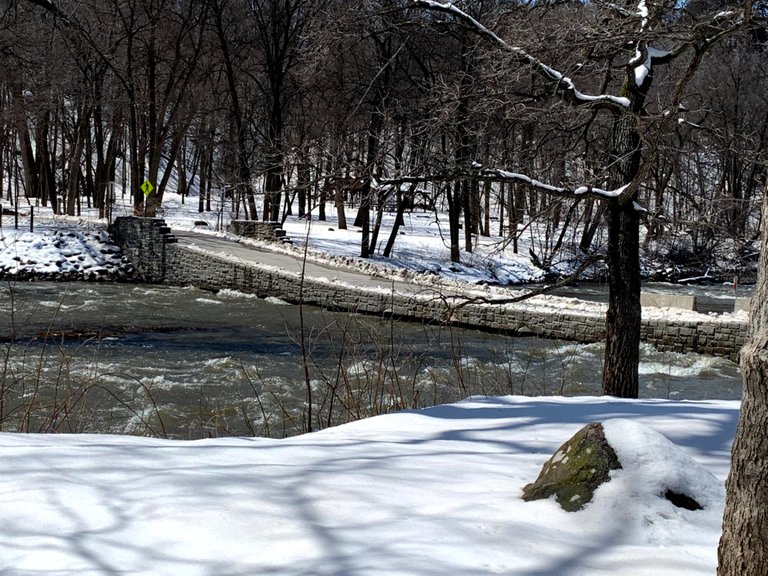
(147, 188)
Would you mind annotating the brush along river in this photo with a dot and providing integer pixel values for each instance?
(180, 362)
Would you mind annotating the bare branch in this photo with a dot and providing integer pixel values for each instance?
(573, 277)
(50, 7)
(562, 83)
(499, 175)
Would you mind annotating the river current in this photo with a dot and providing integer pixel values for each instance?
(180, 362)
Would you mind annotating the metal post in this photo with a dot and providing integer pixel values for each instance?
(16, 203)
(31, 218)
(109, 201)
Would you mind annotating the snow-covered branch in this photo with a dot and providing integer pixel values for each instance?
(563, 84)
(592, 191)
(50, 7)
(497, 175)
(706, 33)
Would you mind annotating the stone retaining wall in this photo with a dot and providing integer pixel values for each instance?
(268, 231)
(182, 265)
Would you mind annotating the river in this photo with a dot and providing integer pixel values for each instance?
(183, 363)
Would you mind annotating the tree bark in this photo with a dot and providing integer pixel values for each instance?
(623, 319)
(743, 549)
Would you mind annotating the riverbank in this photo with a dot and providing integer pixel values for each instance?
(60, 249)
(420, 252)
(71, 249)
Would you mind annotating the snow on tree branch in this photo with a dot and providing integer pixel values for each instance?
(562, 82)
(50, 7)
(498, 175)
(505, 176)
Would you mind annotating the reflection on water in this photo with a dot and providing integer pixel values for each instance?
(138, 359)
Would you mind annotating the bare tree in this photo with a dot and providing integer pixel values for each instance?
(227, 17)
(645, 37)
(278, 27)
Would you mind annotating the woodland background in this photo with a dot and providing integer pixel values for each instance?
(292, 105)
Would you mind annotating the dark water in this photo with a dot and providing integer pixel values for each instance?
(139, 359)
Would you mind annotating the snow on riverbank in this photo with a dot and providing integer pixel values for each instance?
(427, 492)
(59, 248)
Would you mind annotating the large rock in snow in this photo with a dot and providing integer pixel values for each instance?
(650, 466)
(576, 469)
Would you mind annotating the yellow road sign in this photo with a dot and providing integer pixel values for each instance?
(147, 187)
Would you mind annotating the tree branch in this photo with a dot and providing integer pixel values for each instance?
(562, 83)
(50, 7)
(498, 175)
(467, 300)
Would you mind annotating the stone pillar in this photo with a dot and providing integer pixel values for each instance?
(143, 241)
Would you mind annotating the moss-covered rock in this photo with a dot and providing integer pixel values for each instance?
(575, 471)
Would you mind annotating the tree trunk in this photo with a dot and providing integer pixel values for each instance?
(340, 212)
(381, 198)
(454, 214)
(304, 177)
(486, 228)
(402, 203)
(81, 133)
(375, 126)
(622, 321)
(244, 187)
(28, 160)
(364, 219)
(274, 175)
(181, 172)
(469, 215)
(743, 547)
(592, 222)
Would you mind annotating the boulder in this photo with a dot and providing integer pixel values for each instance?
(575, 471)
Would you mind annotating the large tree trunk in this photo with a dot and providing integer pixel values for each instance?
(622, 323)
(623, 319)
(743, 547)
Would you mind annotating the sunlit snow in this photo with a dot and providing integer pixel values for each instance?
(429, 492)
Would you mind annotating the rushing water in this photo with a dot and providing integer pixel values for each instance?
(140, 359)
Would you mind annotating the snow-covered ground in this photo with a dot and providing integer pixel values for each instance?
(428, 492)
(420, 251)
(59, 248)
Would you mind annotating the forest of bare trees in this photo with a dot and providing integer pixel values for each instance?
(295, 105)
